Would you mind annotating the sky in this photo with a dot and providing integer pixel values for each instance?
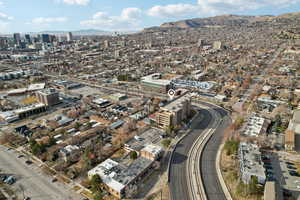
(123, 15)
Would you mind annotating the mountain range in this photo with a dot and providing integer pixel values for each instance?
(230, 20)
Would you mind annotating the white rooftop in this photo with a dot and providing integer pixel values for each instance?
(255, 126)
(38, 86)
(153, 149)
(104, 170)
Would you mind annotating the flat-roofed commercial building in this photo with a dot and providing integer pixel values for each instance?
(251, 163)
(48, 97)
(152, 152)
(122, 181)
(154, 83)
(21, 113)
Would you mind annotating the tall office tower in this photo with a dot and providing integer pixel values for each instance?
(17, 38)
(52, 38)
(28, 38)
(39, 38)
(45, 38)
(3, 42)
(69, 37)
(106, 43)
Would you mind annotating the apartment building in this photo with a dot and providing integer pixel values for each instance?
(48, 96)
(175, 112)
(251, 163)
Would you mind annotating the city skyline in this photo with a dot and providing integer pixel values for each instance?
(71, 15)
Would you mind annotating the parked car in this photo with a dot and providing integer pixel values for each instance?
(54, 180)
(268, 167)
(287, 193)
(293, 173)
(291, 167)
(10, 180)
(269, 171)
(3, 177)
(28, 162)
(20, 156)
(271, 178)
(289, 163)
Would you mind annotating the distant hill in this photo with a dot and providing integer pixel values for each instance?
(229, 20)
(223, 20)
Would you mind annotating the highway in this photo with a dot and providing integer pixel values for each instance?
(178, 177)
(212, 187)
(187, 174)
(37, 185)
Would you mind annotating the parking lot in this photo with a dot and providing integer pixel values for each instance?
(283, 168)
(35, 184)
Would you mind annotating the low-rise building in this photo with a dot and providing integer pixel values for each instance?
(152, 152)
(122, 181)
(69, 151)
(294, 128)
(251, 163)
(151, 136)
(21, 113)
(154, 83)
(289, 140)
(8, 116)
(118, 97)
(256, 126)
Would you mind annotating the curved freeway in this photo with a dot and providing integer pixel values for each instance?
(192, 172)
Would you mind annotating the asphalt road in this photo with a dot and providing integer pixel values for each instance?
(207, 163)
(178, 181)
(36, 185)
